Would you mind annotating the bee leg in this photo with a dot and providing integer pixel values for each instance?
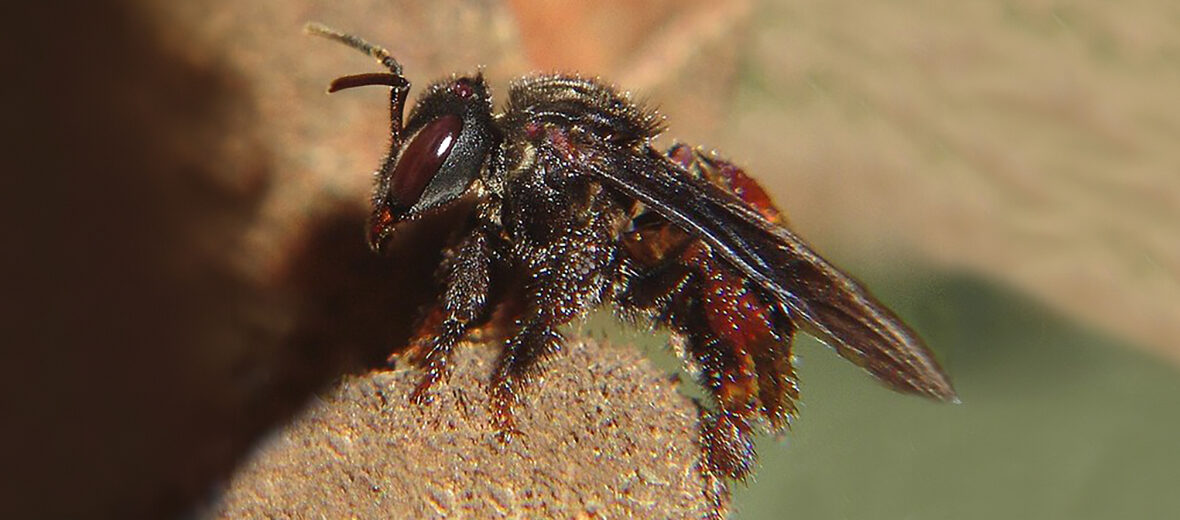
(778, 387)
(687, 298)
(737, 346)
(558, 291)
(535, 340)
(729, 375)
(742, 347)
(463, 302)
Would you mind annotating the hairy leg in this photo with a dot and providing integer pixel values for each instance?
(565, 281)
(463, 302)
(736, 344)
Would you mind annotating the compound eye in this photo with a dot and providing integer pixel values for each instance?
(421, 160)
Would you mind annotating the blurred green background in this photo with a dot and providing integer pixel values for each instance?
(1057, 420)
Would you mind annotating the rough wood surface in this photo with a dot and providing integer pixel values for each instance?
(603, 435)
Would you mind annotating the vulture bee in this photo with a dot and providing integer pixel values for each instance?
(575, 208)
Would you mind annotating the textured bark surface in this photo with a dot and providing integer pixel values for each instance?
(603, 435)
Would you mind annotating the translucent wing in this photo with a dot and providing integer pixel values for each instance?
(826, 302)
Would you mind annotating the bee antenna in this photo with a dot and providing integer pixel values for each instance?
(357, 43)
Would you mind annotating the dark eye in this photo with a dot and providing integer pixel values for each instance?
(421, 160)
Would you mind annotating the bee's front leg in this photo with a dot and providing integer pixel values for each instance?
(463, 302)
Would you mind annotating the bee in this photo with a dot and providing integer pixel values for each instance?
(575, 208)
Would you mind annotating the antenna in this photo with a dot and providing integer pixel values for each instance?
(357, 43)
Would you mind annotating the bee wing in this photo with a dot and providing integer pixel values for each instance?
(828, 303)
